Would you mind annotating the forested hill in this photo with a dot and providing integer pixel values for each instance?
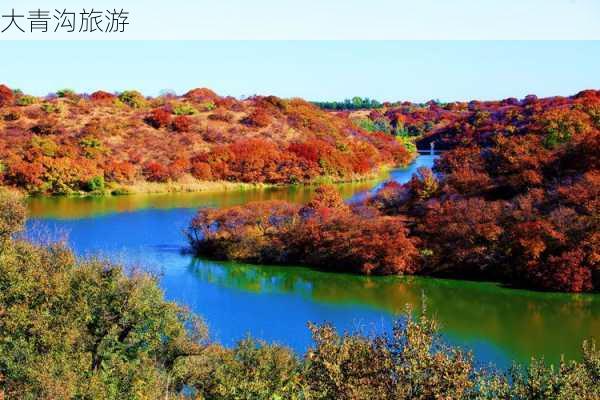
(476, 122)
(69, 142)
(515, 199)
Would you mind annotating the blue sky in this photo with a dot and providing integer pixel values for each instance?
(315, 70)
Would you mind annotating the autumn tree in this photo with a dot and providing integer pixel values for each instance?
(159, 118)
(84, 328)
(7, 96)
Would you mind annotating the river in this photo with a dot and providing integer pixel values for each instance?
(275, 303)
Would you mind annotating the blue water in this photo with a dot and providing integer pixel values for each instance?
(275, 303)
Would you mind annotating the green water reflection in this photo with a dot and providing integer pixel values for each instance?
(84, 207)
(92, 206)
(520, 323)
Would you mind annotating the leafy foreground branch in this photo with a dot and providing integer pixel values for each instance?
(73, 329)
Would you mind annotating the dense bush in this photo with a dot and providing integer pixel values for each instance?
(102, 96)
(7, 97)
(132, 98)
(258, 118)
(201, 95)
(181, 123)
(96, 184)
(156, 172)
(378, 124)
(325, 234)
(120, 171)
(206, 106)
(25, 100)
(84, 329)
(66, 93)
(410, 363)
(221, 115)
(159, 118)
(12, 214)
(47, 127)
(12, 115)
(184, 109)
(51, 107)
(202, 170)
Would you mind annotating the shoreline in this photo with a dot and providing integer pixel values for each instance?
(191, 185)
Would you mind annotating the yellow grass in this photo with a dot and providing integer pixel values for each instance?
(178, 187)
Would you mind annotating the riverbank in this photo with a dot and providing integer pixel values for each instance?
(73, 207)
(192, 185)
(189, 184)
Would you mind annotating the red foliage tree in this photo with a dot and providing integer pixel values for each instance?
(28, 175)
(159, 118)
(7, 97)
(253, 232)
(102, 96)
(310, 150)
(202, 170)
(156, 172)
(120, 171)
(258, 118)
(181, 123)
(178, 167)
(350, 243)
(462, 237)
(330, 237)
(566, 272)
(327, 198)
(201, 95)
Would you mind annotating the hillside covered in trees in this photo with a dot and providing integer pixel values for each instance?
(88, 329)
(67, 142)
(516, 199)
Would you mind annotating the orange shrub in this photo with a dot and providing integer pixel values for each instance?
(159, 118)
(258, 118)
(201, 95)
(156, 172)
(178, 167)
(7, 97)
(202, 170)
(120, 171)
(181, 123)
(102, 96)
(324, 234)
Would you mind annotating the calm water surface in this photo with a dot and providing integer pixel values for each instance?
(275, 303)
